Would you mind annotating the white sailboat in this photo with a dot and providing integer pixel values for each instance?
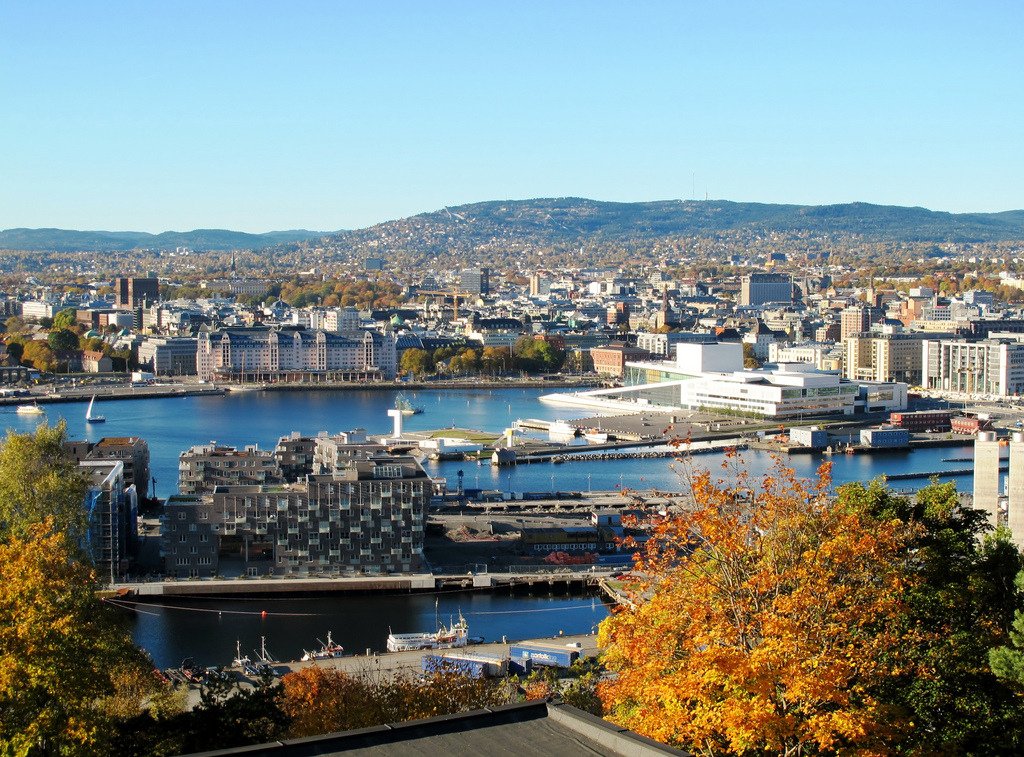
(89, 417)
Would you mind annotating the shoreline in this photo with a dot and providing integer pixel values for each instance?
(158, 391)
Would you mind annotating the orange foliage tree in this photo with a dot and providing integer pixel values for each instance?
(761, 622)
(321, 700)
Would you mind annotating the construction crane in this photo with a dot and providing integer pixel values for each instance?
(456, 296)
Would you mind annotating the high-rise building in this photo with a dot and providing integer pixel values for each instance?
(475, 281)
(135, 292)
(761, 288)
(855, 319)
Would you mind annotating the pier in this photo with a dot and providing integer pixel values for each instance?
(478, 577)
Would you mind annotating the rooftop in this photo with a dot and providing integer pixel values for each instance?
(533, 728)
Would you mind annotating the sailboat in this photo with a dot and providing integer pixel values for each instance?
(89, 417)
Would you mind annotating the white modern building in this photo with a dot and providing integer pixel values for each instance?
(991, 366)
(711, 377)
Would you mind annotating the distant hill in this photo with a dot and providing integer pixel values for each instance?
(567, 223)
(61, 240)
(505, 227)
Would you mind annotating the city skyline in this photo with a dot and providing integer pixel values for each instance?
(313, 115)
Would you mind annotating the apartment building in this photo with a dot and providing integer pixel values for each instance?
(204, 467)
(883, 357)
(366, 516)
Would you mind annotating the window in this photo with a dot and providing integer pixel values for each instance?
(182, 515)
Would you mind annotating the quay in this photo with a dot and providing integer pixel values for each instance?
(115, 392)
(478, 577)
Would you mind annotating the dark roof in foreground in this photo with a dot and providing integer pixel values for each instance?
(532, 728)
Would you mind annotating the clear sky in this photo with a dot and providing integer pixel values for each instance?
(325, 115)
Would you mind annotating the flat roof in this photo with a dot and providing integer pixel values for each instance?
(547, 729)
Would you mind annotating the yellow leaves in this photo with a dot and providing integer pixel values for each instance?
(766, 622)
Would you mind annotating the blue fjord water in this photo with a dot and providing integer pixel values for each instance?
(207, 630)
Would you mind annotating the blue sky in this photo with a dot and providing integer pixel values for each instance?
(324, 115)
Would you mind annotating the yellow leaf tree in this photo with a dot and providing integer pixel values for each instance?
(64, 656)
(760, 623)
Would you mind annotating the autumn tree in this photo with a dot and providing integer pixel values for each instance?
(416, 362)
(764, 621)
(64, 657)
(320, 700)
(38, 355)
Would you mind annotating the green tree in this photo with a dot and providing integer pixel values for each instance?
(1007, 661)
(38, 480)
(964, 596)
(65, 319)
(62, 341)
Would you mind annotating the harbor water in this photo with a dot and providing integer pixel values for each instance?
(207, 630)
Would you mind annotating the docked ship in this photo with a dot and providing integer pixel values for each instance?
(454, 635)
(328, 651)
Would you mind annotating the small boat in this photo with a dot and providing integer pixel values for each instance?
(829, 451)
(402, 403)
(454, 635)
(89, 417)
(849, 449)
(29, 409)
(596, 437)
(328, 651)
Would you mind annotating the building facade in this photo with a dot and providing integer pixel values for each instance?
(204, 467)
(169, 356)
(761, 288)
(368, 516)
(883, 357)
(133, 292)
(294, 354)
(992, 366)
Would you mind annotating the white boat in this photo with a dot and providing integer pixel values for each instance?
(328, 651)
(29, 409)
(596, 437)
(240, 661)
(455, 635)
(89, 417)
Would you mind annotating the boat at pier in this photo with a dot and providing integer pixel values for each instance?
(454, 635)
(328, 651)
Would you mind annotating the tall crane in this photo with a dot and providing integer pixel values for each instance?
(455, 295)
